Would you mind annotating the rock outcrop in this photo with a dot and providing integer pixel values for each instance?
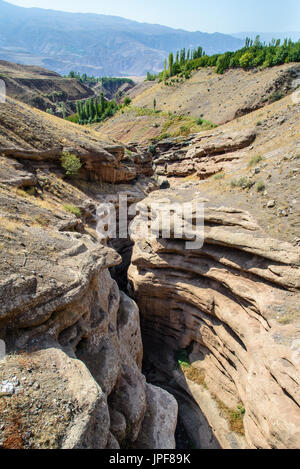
(229, 314)
(32, 135)
(205, 156)
(72, 376)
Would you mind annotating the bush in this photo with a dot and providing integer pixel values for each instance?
(242, 183)
(276, 97)
(246, 60)
(219, 176)
(260, 186)
(70, 163)
(73, 209)
(255, 160)
(127, 101)
(152, 150)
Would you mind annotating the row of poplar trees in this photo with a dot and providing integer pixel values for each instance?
(95, 109)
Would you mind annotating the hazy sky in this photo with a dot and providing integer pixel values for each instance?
(203, 15)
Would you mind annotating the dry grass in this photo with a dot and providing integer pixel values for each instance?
(234, 417)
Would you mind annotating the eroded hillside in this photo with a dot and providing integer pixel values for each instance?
(206, 95)
(42, 88)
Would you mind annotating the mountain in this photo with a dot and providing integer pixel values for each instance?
(294, 35)
(95, 44)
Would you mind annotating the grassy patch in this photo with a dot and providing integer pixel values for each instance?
(219, 176)
(242, 183)
(235, 417)
(260, 186)
(73, 209)
(255, 160)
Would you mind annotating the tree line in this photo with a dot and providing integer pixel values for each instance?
(106, 81)
(253, 54)
(96, 109)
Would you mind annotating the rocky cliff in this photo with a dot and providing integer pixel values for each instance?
(228, 313)
(219, 325)
(72, 374)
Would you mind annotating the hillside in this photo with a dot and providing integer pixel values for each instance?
(214, 98)
(49, 91)
(42, 88)
(95, 44)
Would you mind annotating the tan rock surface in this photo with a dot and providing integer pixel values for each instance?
(234, 307)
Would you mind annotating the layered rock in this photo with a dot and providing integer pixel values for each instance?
(28, 134)
(72, 377)
(232, 309)
(205, 155)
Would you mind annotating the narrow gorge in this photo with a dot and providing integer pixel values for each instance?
(109, 341)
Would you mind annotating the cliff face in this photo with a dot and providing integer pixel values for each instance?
(55, 400)
(229, 315)
(72, 374)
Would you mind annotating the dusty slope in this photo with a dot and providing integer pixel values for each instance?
(42, 88)
(28, 132)
(216, 98)
(271, 160)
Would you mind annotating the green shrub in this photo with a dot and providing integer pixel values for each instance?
(255, 160)
(276, 97)
(73, 209)
(260, 186)
(182, 358)
(152, 149)
(70, 163)
(219, 176)
(127, 101)
(242, 183)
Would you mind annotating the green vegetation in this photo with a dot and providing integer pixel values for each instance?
(254, 54)
(255, 160)
(219, 176)
(106, 81)
(182, 358)
(73, 209)
(70, 163)
(242, 183)
(94, 110)
(127, 101)
(152, 149)
(260, 186)
(235, 417)
(276, 97)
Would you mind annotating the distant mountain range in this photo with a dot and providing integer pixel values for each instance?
(99, 45)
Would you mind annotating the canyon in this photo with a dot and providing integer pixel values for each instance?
(121, 343)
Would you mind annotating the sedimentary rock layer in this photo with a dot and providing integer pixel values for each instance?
(233, 308)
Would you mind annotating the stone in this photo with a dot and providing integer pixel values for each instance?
(217, 303)
(159, 424)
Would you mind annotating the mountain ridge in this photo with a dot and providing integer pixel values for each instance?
(95, 44)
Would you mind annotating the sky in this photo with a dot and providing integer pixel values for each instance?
(225, 16)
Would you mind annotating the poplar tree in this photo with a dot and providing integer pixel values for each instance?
(171, 61)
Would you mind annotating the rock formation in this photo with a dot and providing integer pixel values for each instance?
(205, 156)
(37, 136)
(227, 307)
(72, 375)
